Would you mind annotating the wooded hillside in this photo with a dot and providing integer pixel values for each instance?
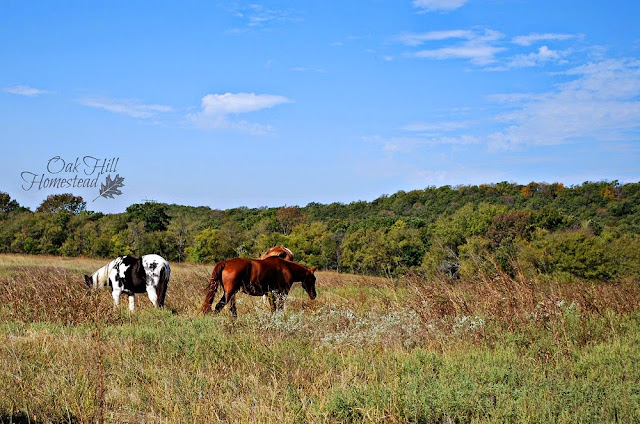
(589, 232)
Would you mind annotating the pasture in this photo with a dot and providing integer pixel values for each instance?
(492, 349)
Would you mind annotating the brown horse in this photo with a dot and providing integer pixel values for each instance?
(279, 251)
(272, 299)
(256, 278)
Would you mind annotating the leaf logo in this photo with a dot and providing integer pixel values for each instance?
(110, 187)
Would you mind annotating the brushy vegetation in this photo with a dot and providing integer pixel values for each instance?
(585, 232)
(496, 346)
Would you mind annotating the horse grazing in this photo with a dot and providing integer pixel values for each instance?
(256, 278)
(271, 298)
(279, 251)
(130, 275)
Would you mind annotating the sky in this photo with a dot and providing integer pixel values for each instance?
(271, 103)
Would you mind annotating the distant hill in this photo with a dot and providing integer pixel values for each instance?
(587, 231)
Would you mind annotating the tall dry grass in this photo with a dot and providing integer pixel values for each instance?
(493, 348)
(515, 300)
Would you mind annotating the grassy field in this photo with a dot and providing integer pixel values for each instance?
(496, 349)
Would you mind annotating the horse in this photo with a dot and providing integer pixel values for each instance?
(130, 275)
(256, 277)
(281, 252)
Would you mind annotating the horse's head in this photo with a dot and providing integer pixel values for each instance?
(88, 281)
(309, 283)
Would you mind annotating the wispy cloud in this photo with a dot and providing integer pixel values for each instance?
(256, 16)
(488, 48)
(438, 5)
(527, 40)
(477, 46)
(224, 104)
(25, 90)
(402, 144)
(309, 69)
(543, 55)
(600, 104)
(129, 107)
(477, 54)
(435, 126)
(456, 174)
(218, 111)
(413, 39)
(351, 39)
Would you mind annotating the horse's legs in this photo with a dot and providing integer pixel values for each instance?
(132, 303)
(116, 298)
(228, 297)
(220, 305)
(269, 300)
(232, 306)
(280, 300)
(153, 295)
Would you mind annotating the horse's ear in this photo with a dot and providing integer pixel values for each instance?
(313, 270)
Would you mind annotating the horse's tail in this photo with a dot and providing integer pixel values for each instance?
(163, 282)
(212, 288)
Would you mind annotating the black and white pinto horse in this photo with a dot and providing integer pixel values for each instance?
(130, 275)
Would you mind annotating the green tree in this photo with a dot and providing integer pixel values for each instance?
(288, 217)
(511, 225)
(62, 202)
(211, 245)
(154, 215)
(451, 232)
(404, 244)
(7, 204)
(181, 234)
(365, 251)
(306, 241)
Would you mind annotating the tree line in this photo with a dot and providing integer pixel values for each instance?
(589, 231)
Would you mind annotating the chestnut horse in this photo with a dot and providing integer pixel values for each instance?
(256, 278)
(272, 299)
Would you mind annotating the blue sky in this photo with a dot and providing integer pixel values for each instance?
(273, 103)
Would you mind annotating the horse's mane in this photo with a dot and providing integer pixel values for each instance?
(279, 251)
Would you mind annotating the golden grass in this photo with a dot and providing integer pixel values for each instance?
(491, 349)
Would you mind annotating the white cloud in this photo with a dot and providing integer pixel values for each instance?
(478, 47)
(544, 54)
(482, 46)
(24, 90)
(527, 40)
(434, 5)
(421, 38)
(601, 104)
(217, 109)
(480, 55)
(222, 122)
(257, 16)
(309, 69)
(391, 145)
(130, 107)
(435, 127)
(224, 104)
(456, 174)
